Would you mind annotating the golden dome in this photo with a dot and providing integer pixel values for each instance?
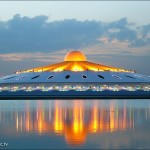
(75, 61)
(75, 56)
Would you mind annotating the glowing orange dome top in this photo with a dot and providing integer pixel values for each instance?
(75, 56)
(75, 61)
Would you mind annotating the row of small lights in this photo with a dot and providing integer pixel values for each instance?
(24, 71)
(76, 88)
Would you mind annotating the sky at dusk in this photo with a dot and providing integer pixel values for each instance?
(36, 33)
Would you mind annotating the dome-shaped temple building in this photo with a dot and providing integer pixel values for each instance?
(75, 77)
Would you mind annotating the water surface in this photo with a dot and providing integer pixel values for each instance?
(66, 124)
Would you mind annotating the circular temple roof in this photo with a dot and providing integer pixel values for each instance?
(75, 61)
(75, 56)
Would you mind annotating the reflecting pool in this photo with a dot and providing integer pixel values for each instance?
(66, 124)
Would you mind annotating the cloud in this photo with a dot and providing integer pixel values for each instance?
(38, 56)
(122, 30)
(24, 34)
(144, 36)
(36, 34)
(123, 35)
(32, 42)
(146, 31)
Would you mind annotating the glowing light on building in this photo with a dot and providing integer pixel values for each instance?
(73, 77)
(75, 56)
(75, 61)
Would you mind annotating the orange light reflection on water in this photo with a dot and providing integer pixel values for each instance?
(58, 119)
(74, 122)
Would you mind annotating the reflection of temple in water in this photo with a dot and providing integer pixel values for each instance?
(73, 122)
